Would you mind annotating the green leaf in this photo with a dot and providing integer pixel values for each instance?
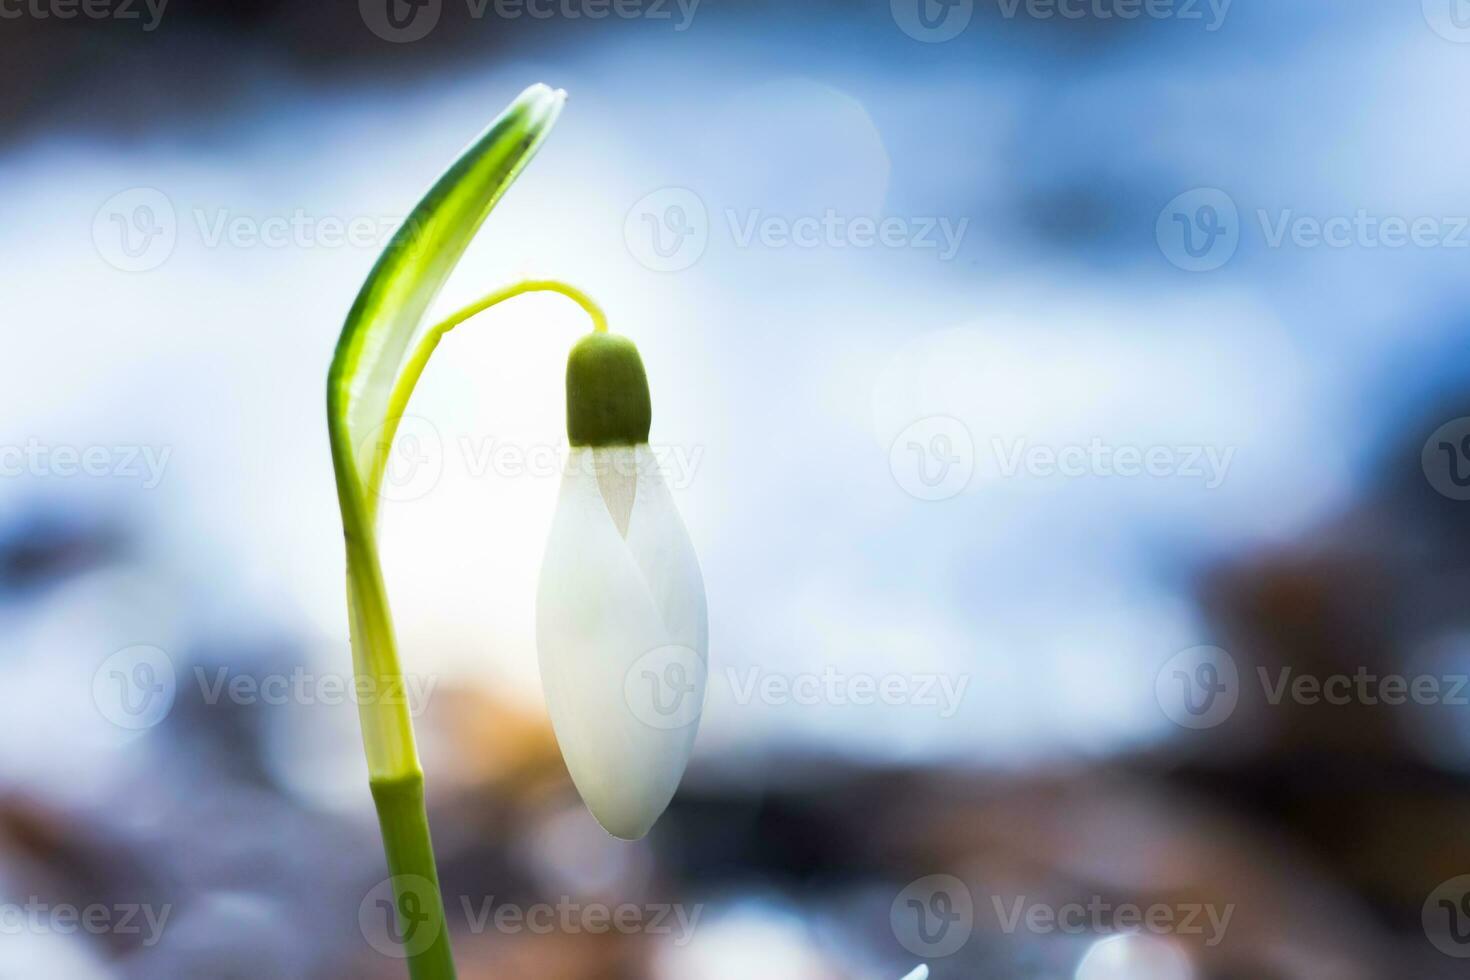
(382, 351)
(383, 348)
(387, 317)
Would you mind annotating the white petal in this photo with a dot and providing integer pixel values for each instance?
(661, 547)
(620, 631)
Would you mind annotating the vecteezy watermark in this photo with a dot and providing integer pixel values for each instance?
(936, 21)
(1450, 19)
(933, 458)
(680, 13)
(1364, 687)
(568, 916)
(932, 21)
(1201, 688)
(933, 916)
(404, 21)
(669, 229)
(1446, 459)
(1446, 917)
(936, 458)
(665, 687)
(146, 464)
(414, 461)
(1200, 230)
(1363, 229)
(410, 454)
(834, 230)
(137, 230)
(303, 687)
(393, 917)
(149, 13)
(35, 917)
(136, 688)
(1207, 464)
(1210, 14)
(1098, 916)
(833, 687)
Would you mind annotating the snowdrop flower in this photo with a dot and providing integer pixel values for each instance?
(621, 626)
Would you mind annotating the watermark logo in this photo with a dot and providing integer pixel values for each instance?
(933, 916)
(570, 917)
(136, 230)
(137, 687)
(1201, 687)
(932, 21)
(1450, 19)
(942, 693)
(411, 455)
(834, 230)
(933, 459)
(1446, 917)
(1211, 13)
(36, 917)
(400, 21)
(667, 230)
(395, 916)
(1446, 459)
(149, 12)
(303, 687)
(1207, 464)
(936, 21)
(1363, 687)
(665, 687)
(134, 688)
(404, 21)
(1100, 916)
(1199, 231)
(146, 464)
(680, 12)
(1362, 229)
(414, 458)
(1198, 688)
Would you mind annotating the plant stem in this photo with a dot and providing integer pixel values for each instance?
(417, 898)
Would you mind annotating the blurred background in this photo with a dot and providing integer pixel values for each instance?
(1069, 401)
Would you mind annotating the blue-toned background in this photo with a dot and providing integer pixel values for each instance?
(1067, 400)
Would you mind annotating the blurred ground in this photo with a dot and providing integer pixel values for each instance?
(1104, 237)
